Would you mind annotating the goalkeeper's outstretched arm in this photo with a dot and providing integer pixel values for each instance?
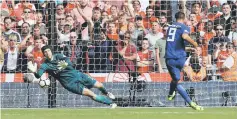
(40, 72)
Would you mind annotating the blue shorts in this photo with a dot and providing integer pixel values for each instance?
(175, 66)
(82, 81)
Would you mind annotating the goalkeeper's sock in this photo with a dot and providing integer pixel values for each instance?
(183, 93)
(103, 90)
(103, 99)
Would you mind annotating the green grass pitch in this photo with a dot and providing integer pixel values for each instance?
(120, 113)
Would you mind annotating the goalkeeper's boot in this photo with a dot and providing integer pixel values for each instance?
(171, 97)
(111, 96)
(196, 107)
(113, 105)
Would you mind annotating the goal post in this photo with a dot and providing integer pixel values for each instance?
(52, 90)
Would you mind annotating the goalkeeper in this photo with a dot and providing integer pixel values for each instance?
(60, 67)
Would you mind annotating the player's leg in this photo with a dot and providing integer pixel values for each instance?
(81, 89)
(98, 98)
(185, 96)
(101, 87)
(174, 66)
(89, 82)
(172, 71)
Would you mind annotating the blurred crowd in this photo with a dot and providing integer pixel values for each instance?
(102, 36)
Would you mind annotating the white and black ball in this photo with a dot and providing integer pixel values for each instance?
(44, 83)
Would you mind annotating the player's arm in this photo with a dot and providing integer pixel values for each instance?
(186, 37)
(40, 72)
(33, 69)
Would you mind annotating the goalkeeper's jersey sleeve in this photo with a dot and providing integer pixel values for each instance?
(64, 75)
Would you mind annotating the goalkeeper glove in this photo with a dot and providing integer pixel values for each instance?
(32, 66)
(62, 65)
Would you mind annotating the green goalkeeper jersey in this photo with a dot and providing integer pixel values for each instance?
(64, 75)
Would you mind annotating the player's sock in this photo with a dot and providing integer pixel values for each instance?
(183, 93)
(103, 90)
(173, 86)
(103, 99)
(171, 97)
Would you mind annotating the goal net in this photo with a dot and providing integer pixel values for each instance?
(120, 43)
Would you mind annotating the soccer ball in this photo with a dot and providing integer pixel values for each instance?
(44, 83)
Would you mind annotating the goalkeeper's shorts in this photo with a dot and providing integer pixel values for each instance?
(83, 81)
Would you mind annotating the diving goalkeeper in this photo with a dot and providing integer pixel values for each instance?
(60, 67)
